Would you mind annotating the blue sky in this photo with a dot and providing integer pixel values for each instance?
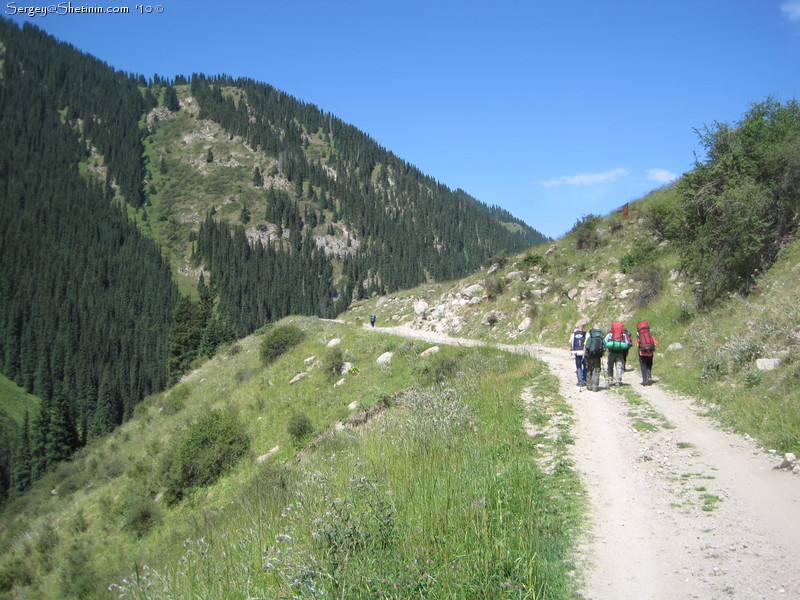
(551, 109)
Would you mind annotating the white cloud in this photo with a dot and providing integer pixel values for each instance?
(791, 8)
(586, 178)
(661, 175)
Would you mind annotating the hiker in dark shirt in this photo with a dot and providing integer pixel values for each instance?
(594, 349)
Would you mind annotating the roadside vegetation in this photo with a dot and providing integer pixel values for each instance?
(236, 484)
(711, 262)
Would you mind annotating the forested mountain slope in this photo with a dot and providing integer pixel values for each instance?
(147, 221)
(711, 262)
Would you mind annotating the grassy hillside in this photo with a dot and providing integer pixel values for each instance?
(610, 268)
(14, 403)
(410, 478)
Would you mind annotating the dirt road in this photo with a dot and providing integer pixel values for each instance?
(678, 508)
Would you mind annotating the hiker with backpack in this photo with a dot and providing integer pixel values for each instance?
(617, 345)
(594, 349)
(627, 335)
(577, 343)
(647, 347)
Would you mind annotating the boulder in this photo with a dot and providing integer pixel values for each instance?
(429, 352)
(514, 275)
(674, 347)
(526, 323)
(572, 293)
(297, 377)
(264, 457)
(334, 342)
(767, 364)
(420, 306)
(385, 358)
(473, 290)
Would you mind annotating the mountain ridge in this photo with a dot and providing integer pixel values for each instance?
(136, 213)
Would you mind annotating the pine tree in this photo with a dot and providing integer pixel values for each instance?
(171, 99)
(188, 324)
(20, 475)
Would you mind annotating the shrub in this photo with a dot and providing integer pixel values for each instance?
(530, 261)
(278, 340)
(138, 510)
(332, 363)
(739, 204)
(442, 368)
(176, 400)
(209, 448)
(662, 219)
(586, 235)
(651, 282)
(299, 426)
(494, 287)
(641, 254)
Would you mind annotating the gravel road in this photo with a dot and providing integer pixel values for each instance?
(678, 507)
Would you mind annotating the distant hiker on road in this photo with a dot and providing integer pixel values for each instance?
(593, 352)
(617, 346)
(372, 320)
(647, 347)
(577, 341)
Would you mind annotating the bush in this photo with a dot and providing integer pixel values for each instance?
(494, 287)
(138, 510)
(530, 261)
(740, 203)
(641, 254)
(438, 369)
(299, 427)
(332, 363)
(278, 340)
(586, 235)
(651, 282)
(210, 448)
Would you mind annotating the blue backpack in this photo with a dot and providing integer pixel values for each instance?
(578, 339)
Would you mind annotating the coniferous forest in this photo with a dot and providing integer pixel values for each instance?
(91, 317)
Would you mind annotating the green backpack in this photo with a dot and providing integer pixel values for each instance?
(595, 345)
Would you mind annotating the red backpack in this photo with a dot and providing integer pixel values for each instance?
(646, 343)
(618, 341)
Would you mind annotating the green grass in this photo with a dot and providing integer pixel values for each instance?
(15, 401)
(439, 494)
(643, 416)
